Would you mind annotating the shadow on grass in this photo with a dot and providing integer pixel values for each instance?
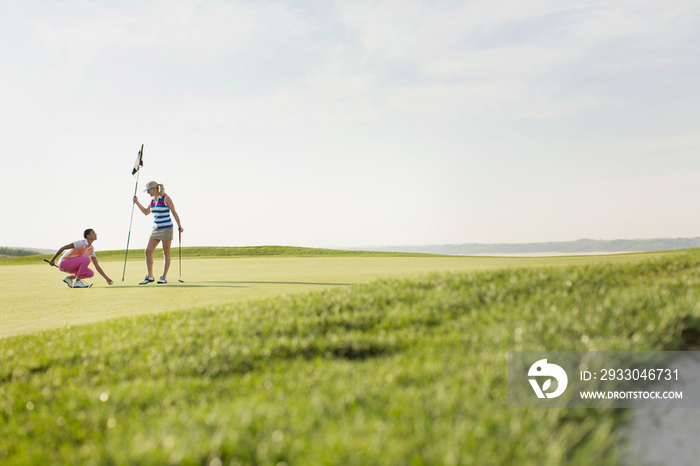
(180, 285)
(283, 283)
(227, 284)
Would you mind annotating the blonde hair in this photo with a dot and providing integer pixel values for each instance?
(161, 188)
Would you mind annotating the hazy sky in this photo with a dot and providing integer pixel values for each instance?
(351, 123)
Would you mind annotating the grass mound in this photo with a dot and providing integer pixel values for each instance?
(393, 372)
(15, 252)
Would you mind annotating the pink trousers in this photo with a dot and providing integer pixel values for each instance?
(77, 266)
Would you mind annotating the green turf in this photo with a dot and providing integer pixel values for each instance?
(35, 298)
(290, 251)
(400, 371)
(221, 252)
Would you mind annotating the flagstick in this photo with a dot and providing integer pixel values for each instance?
(133, 203)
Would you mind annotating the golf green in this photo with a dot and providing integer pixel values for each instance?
(35, 298)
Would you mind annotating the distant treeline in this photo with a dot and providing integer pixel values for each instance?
(579, 246)
(12, 252)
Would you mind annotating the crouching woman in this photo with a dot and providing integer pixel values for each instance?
(76, 261)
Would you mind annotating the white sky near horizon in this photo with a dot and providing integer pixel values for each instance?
(351, 123)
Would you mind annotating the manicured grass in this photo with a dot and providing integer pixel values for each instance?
(398, 371)
(290, 251)
(221, 252)
(34, 298)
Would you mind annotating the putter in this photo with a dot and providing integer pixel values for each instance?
(179, 247)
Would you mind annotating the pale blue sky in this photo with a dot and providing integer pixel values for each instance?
(351, 123)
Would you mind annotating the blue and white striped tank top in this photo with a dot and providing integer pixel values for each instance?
(161, 214)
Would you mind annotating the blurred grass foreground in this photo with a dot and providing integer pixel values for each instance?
(393, 372)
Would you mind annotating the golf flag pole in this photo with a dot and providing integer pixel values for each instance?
(138, 164)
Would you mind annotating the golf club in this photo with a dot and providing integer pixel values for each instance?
(179, 244)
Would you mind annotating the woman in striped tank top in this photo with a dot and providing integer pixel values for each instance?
(161, 207)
